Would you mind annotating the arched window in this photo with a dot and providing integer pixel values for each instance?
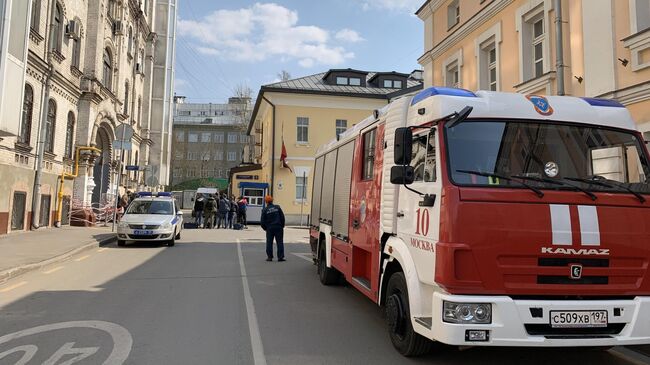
(69, 135)
(130, 36)
(26, 122)
(50, 125)
(36, 15)
(57, 29)
(126, 98)
(108, 70)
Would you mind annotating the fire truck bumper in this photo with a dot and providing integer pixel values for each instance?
(553, 323)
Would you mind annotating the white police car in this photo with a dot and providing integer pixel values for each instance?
(151, 218)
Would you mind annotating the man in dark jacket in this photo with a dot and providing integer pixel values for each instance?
(198, 210)
(272, 221)
(224, 208)
(209, 210)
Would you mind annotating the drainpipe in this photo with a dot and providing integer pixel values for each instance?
(40, 145)
(272, 146)
(559, 49)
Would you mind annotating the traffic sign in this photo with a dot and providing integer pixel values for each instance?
(122, 145)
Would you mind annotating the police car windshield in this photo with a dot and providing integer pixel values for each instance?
(150, 207)
(543, 151)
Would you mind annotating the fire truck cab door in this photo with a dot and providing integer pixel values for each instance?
(418, 224)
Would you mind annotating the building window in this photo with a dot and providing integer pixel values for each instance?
(301, 188)
(205, 137)
(193, 137)
(640, 15)
(139, 114)
(453, 14)
(126, 98)
(184, 113)
(26, 122)
(191, 173)
(50, 125)
(369, 154)
(232, 138)
(453, 75)
(57, 29)
(218, 155)
(76, 52)
(107, 78)
(180, 136)
(243, 138)
(232, 156)
(110, 10)
(392, 84)
(218, 137)
(36, 15)
(178, 155)
(538, 47)
(192, 156)
(352, 81)
(341, 126)
(205, 156)
(69, 136)
(302, 130)
(130, 41)
(178, 172)
(488, 65)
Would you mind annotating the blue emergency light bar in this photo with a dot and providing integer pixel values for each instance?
(449, 91)
(165, 193)
(603, 102)
(142, 194)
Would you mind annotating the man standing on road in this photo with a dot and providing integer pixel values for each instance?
(198, 210)
(243, 203)
(224, 208)
(272, 221)
(232, 215)
(209, 209)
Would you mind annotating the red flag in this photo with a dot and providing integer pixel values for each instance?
(283, 157)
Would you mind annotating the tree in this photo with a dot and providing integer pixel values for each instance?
(284, 75)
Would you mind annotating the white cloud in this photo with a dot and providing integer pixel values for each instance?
(348, 35)
(409, 6)
(263, 31)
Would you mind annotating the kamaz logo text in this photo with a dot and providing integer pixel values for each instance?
(573, 251)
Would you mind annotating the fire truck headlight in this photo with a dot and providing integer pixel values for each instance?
(467, 313)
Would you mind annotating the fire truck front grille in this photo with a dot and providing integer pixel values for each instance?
(557, 279)
(554, 262)
(547, 330)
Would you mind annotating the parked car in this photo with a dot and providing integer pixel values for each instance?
(151, 218)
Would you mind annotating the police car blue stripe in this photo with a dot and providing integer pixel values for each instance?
(174, 220)
(603, 102)
(450, 91)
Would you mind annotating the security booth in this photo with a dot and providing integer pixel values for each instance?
(254, 194)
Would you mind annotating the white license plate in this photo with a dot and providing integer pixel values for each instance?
(142, 232)
(578, 319)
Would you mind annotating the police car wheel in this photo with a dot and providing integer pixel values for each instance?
(172, 241)
(178, 235)
(121, 243)
(404, 338)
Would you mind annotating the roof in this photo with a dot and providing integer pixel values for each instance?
(316, 85)
(392, 73)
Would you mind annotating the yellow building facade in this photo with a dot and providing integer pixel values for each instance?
(307, 113)
(512, 46)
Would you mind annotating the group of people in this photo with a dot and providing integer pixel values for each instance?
(220, 211)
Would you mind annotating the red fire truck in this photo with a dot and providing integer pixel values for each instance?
(487, 218)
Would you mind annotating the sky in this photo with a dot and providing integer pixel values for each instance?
(223, 44)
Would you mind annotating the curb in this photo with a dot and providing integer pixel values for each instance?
(8, 274)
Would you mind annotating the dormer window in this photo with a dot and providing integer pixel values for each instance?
(392, 84)
(352, 81)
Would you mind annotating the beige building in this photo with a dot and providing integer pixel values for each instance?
(304, 114)
(91, 66)
(512, 45)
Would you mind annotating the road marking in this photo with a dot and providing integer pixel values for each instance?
(102, 249)
(253, 328)
(82, 258)
(305, 256)
(122, 342)
(53, 270)
(12, 287)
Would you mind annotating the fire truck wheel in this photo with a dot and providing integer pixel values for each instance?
(327, 275)
(398, 317)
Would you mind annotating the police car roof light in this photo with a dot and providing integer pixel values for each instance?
(448, 91)
(143, 193)
(165, 193)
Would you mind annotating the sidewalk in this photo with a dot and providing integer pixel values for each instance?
(26, 251)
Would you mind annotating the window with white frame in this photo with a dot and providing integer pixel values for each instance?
(205, 137)
(205, 156)
(453, 13)
(192, 156)
(218, 137)
(301, 187)
(218, 155)
(178, 172)
(640, 15)
(488, 64)
(243, 138)
(232, 156)
(538, 45)
(191, 172)
(302, 130)
(341, 126)
(392, 84)
(453, 75)
(193, 137)
(232, 138)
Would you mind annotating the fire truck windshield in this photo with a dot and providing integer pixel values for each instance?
(547, 156)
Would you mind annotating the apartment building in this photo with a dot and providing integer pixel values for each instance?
(594, 48)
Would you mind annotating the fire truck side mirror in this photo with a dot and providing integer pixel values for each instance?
(402, 175)
(403, 146)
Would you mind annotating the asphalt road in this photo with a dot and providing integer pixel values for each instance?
(196, 303)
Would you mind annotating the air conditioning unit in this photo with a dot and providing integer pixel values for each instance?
(118, 27)
(73, 30)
